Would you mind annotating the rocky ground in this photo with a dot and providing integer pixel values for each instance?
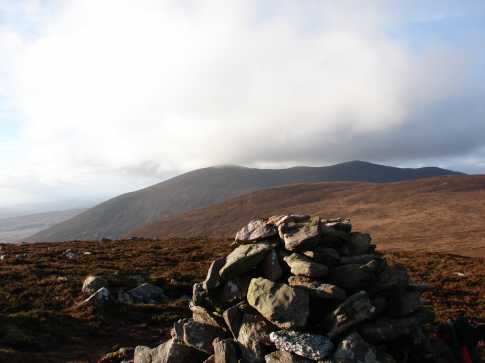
(40, 292)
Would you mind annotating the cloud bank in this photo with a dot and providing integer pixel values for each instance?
(111, 95)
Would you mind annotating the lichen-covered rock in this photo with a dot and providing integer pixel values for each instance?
(147, 294)
(307, 345)
(339, 224)
(252, 337)
(300, 234)
(256, 230)
(243, 259)
(169, 352)
(224, 351)
(280, 356)
(271, 267)
(213, 280)
(203, 316)
(233, 318)
(352, 311)
(283, 305)
(200, 336)
(318, 289)
(355, 349)
(304, 266)
(233, 291)
(92, 284)
(324, 255)
(354, 277)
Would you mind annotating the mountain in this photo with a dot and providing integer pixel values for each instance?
(441, 214)
(202, 187)
(14, 229)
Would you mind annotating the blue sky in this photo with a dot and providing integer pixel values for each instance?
(102, 97)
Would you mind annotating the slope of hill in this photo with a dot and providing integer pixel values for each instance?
(203, 187)
(13, 229)
(436, 214)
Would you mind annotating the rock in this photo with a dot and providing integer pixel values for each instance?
(233, 291)
(357, 260)
(318, 289)
(339, 224)
(352, 311)
(224, 351)
(253, 335)
(359, 243)
(98, 298)
(70, 254)
(200, 336)
(203, 316)
(200, 296)
(146, 294)
(213, 280)
(256, 230)
(387, 329)
(390, 278)
(354, 349)
(354, 277)
(280, 356)
(304, 266)
(233, 318)
(271, 267)
(404, 303)
(122, 354)
(211, 359)
(177, 331)
(243, 259)
(300, 235)
(168, 352)
(92, 284)
(326, 256)
(307, 345)
(283, 305)
(3, 257)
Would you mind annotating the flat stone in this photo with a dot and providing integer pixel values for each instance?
(253, 336)
(92, 284)
(200, 336)
(224, 351)
(355, 349)
(359, 243)
(354, 277)
(283, 305)
(339, 224)
(168, 352)
(203, 316)
(306, 345)
(324, 255)
(256, 230)
(243, 259)
(213, 280)
(300, 235)
(303, 266)
(352, 311)
(318, 289)
(147, 294)
(280, 356)
(390, 278)
(271, 267)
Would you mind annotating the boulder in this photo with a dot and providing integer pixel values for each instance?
(256, 230)
(213, 280)
(318, 289)
(243, 259)
(168, 352)
(354, 349)
(283, 305)
(300, 234)
(252, 337)
(224, 351)
(92, 284)
(146, 294)
(352, 311)
(280, 356)
(304, 266)
(200, 336)
(271, 267)
(311, 346)
(359, 243)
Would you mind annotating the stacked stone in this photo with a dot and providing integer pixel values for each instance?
(299, 288)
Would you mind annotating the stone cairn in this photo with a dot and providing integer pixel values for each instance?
(298, 288)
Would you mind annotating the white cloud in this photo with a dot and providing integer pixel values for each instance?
(111, 85)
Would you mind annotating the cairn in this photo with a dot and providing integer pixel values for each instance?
(299, 288)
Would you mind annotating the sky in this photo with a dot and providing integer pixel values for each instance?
(101, 97)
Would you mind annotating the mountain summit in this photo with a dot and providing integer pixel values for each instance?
(202, 187)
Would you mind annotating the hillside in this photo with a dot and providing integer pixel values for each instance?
(200, 188)
(13, 229)
(409, 213)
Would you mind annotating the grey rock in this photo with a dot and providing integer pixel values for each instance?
(203, 316)
(70, 254)
(352, 311)
(359, 243)
(200, 336)
(253, 336)
(256, 230)
(283, 305)
(92, 284)
(355, 349)
(324, 255)
(224, 351)
(213, 280)
(404, 303)
(271, 267)
(233, 317)
(304, 266)
(300, 235)
(177, 331)
(354, 277)
(280, 356)
(243, 259)
(168, 352)
(146, 294)
(200, 296)
(98, 298)
(307, 345)
(234, 290)
(339, 224)
(357, 260)
(390, 278)
(318, 289)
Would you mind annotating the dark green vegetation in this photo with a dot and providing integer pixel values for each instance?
(200, 188)
(39, 320)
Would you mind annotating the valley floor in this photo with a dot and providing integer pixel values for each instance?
(40, 288)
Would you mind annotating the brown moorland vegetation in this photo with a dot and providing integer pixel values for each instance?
(40, 322)
(441, 214)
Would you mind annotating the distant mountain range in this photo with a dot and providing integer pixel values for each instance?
(203, 187)
(14, 229)
(442, 214)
